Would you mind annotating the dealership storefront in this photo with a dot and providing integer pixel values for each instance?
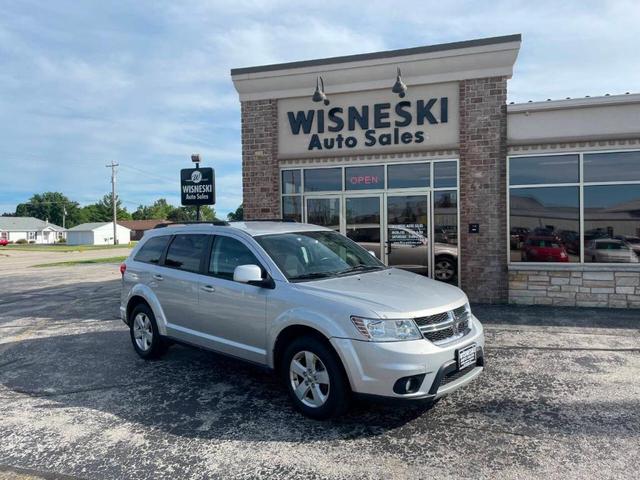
(415, 155)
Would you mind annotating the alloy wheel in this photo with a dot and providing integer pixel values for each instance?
(142, 331)
(309, 379)
(444, 270)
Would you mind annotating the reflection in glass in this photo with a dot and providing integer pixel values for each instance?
(408, 232)
(322, 179)
(544, 224)
(611, 167)
(364, 178)
(292, 208)
(445, 174)
(445, 240)
(409, 175)
(324, 212)
(612, 223)
(363, 222)
(544, 169)
(291, 181)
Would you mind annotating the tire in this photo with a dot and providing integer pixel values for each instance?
(326, 393)
(144, 333)
(444, 269)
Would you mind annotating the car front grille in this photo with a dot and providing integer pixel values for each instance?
(455, 375)
(446, 326)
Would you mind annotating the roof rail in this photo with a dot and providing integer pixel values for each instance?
(217, 223)
(285, 220)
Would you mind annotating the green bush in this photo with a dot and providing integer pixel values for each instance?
(32, 241)
(21, 241)
(62, 240)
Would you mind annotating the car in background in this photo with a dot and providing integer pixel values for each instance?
(543, 249)
(408, 250)
(518, 236)
(632, 241)
(4, 242)
(571, 240)
(609, 250)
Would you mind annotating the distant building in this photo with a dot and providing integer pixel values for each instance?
(97, 234)
(30, 229)
(138, 227)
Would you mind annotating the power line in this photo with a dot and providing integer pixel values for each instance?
(114, 171)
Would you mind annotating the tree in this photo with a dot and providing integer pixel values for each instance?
(102, 211)
(51, 206)
(159, 210)
(188, 214)
(238, 215)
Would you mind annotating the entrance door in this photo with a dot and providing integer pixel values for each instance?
(407, 233)
(363, 218)
(324, 211)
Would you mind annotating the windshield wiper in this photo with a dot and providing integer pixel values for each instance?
(360, 268)
(310, 276)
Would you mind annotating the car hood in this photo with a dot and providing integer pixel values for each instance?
(390, 293)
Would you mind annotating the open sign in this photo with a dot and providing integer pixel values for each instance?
(364, 180)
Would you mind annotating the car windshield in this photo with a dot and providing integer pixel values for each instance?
(317, 254)
(543, 243)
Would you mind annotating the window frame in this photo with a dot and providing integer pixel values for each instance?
(207, 260)
(581, 184)
(162, 255)
(162, 262)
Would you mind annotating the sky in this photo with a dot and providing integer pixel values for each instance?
(147, 83)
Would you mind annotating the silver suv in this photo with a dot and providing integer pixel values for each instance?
(306, 302)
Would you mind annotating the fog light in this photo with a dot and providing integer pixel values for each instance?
(407, 385)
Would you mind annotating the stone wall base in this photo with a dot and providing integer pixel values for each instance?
(579, 286)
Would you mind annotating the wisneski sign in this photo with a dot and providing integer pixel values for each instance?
(370, 121)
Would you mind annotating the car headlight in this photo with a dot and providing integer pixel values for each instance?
(379, 330)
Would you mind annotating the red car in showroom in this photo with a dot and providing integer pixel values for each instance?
(544, 249)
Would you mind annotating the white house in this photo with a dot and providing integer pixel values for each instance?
(97, 234)
(30, 229)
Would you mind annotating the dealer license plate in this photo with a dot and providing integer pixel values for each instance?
(466, 356)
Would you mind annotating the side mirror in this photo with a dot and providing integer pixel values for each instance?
(372, 253)
(252, 274)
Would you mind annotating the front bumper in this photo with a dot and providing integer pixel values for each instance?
(374, 367)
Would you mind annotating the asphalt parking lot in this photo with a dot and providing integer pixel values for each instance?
(560, 398)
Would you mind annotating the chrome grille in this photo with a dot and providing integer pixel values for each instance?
(446, 326)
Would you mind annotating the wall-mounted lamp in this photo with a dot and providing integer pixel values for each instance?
(399, 87)
(319, 95)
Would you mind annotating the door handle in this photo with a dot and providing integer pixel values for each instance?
(208, 288)
(158, 277)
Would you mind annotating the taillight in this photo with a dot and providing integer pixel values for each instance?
(123, 268)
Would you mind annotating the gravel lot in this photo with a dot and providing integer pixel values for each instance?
(560, 398)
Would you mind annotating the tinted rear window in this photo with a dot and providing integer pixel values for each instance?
(152, 250)
(186, 251)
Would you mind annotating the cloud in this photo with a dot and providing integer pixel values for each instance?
(147, 83)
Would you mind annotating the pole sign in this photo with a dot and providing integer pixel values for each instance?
(197, 186)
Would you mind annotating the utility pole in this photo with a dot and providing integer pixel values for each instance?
(113, 166)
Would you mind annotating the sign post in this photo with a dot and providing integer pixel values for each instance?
(197, 186)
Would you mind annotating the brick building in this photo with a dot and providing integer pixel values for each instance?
(416, 155)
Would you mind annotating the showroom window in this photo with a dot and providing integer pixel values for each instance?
(552, 196)
(291, 195)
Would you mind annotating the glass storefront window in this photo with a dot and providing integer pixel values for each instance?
(612, 223)
(547, 169)
(324, 212)
(408, 232)
(364, 178)
(545, 224)
(323, 180)
(612, 167)
(408, 175)
(291, 181)
(445, 239)
(445, 174)
(292, 208)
